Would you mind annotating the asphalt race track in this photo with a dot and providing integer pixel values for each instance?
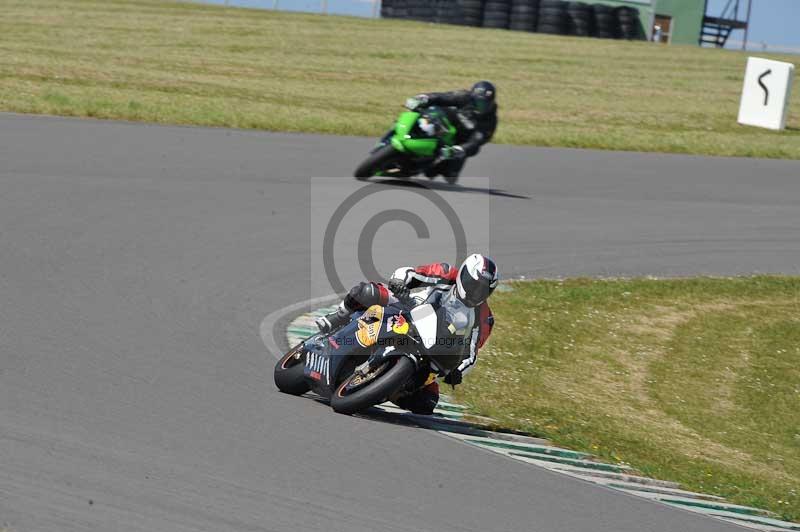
(137, 262)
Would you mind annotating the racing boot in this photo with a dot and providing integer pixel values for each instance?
(421, 402)
(334, 320)
(432, 171)
(452, 170)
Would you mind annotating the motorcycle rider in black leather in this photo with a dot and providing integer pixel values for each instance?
(473, 112)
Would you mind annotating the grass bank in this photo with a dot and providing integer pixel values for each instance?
(169, 62)
(691, 380)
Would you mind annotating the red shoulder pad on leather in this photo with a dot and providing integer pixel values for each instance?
(441, 270)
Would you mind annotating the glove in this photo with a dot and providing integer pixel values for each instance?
(398, 288)
(412, 104)
(448, 153)
(454, 378)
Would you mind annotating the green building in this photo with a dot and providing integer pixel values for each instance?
(688, 21)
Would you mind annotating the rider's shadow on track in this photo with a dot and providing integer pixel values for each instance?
(407, 419)
(435, 185)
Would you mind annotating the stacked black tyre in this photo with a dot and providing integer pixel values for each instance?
(470, 12)
(580, 19)
(524, 15)
(552, 17)
(496, 14)
(546, 16)
(630, 27)
(445, 12)
(422, 10)
(606, 24)
(387, 9)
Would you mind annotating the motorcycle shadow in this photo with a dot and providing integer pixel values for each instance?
(389, 413)
(437, 185)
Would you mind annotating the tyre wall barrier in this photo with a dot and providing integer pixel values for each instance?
(557, 17)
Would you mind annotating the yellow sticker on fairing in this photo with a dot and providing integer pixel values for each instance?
(369, 326)
(431, 378)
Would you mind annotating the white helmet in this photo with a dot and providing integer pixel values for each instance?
(476, 280)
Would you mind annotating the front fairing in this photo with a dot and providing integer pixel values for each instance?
(374, 330)
(454, 323)
(410, 138)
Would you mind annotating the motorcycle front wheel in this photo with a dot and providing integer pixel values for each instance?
(377, 161)
(288, 373)
(358, 392)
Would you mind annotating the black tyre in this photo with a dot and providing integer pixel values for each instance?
(350, 397)
(580, 19)
(496, 10)
(579, 31)
(523, 24)
(552, 29)
(498, 22)
(553, 21)
(629, 32)
(288, 372)
(523, 10)
(603, 9)
(471, 14)
(423, 14)
(552, 12)
(580, 14)
(552, 17)
(447, 12)
(606, 24)
(377, 161)
(604, 19)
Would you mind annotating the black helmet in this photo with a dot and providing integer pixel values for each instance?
(483, 94)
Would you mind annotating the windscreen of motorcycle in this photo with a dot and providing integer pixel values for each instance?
(459, 317)
(454, 322)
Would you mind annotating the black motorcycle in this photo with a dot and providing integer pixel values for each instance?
(382, 353)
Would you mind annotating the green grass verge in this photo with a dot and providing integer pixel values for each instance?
(168, 62)
(691, 380)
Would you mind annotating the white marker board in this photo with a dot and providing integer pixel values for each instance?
(766, 91)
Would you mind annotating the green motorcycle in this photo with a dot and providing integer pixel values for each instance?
(411, 147)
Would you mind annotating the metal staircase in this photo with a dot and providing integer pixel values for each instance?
(716, 30)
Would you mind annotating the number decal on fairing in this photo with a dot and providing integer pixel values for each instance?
(369, 326)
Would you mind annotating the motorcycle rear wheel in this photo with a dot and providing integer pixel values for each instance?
(375, 392)
(288, 373)
(376, 162)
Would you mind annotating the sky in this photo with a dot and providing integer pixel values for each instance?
(773, 22)
(343, 7)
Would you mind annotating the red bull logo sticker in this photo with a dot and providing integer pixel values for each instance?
(397, 324)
